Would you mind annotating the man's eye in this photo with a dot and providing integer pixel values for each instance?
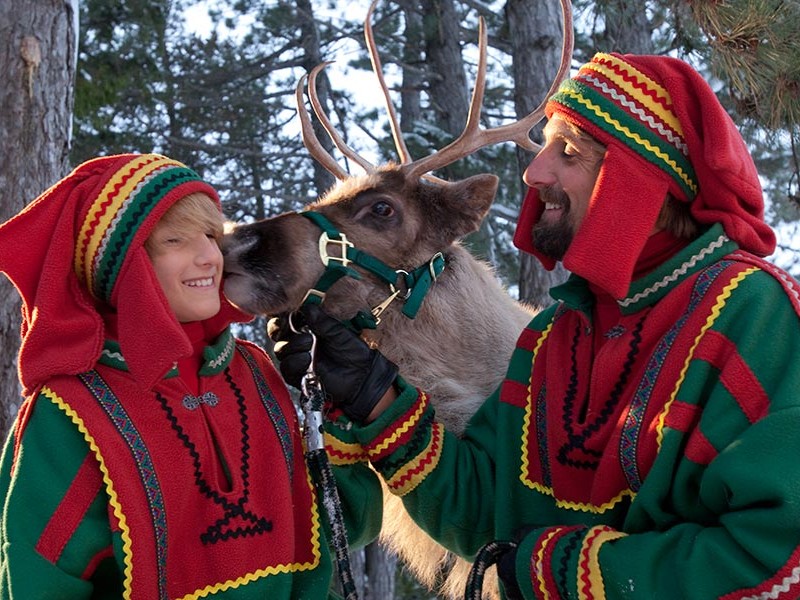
(570, 151)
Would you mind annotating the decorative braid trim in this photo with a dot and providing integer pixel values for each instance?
(343, 453)
(113, 500)
(677, 273)
(715, 312)
(415, 471)
(385, 445)
(590, 577)
(666, 131)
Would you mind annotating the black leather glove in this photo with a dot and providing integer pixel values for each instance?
(354, 376)
(507, 572)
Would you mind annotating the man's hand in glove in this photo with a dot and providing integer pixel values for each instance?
(354, 376)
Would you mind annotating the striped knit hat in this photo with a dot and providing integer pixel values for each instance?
(76, 255)
(665, 132)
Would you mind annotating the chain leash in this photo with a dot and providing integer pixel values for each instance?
(312, 399)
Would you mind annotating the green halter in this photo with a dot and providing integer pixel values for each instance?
(416, 282)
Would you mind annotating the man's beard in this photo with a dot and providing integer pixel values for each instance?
(553, 238)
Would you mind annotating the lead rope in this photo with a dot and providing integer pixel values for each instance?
(486, 557)
(312, 398)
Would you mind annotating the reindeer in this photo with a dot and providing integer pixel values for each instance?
(409, 223)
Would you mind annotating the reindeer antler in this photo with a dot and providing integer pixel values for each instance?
(310, 139)
(472, 139)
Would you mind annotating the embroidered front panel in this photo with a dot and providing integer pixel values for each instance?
(634, 420)
(600, 413)
(224, 510)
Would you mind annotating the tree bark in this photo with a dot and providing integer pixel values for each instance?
(312, 56)
(534, 29)
(38, 53)
(627, 27)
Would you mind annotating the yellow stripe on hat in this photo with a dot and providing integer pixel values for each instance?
(635, 92)
(635, 137)
(105, 207)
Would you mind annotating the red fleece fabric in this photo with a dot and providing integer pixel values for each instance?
(63, 329)
(629, 191)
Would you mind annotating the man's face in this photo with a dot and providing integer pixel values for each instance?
(564, 172)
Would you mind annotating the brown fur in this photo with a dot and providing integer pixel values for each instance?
(458, 346)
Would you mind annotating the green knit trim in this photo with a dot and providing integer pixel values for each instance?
(612, 118)
(703, 251)
(216, 357)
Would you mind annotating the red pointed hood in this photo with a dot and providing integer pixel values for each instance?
(77, 251)
(664, 131)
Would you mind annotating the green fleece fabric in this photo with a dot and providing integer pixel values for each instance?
(664, 466)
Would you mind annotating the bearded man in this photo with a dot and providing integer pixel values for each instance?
(644, 442)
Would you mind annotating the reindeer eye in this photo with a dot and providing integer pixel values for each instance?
(382, 209)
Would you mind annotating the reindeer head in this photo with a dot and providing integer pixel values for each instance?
(397, 214)
(272, 264)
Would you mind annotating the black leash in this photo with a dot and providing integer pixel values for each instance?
(312, 399)
(486, 557)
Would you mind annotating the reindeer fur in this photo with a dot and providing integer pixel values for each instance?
(456, 349)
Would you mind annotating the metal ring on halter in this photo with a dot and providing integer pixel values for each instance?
(406, 275)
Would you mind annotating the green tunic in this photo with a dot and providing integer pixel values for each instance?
(665, 466)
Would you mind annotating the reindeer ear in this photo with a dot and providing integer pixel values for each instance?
(468, 201)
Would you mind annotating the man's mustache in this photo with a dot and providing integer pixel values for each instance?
(554, 195)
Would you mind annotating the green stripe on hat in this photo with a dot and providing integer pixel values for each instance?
(612, 118)
(135, 211)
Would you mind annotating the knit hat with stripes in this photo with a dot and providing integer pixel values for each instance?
(665, 132)
(76, 255)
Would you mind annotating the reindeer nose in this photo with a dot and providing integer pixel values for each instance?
(238, 240)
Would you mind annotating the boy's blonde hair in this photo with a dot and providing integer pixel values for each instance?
(195, 212)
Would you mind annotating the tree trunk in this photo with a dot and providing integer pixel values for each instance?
(38, 51)
(312, 57)
(449, 95)
(534, 29)
(627, 27)
(410, 102)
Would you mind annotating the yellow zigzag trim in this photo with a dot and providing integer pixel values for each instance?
(437, 431)
(112, 494)
(353, 453)
(540, 560)
(142, 167)
(596, 589)
(635, 137)
(715, 312)
(275, 570)
(401, 429)
(666, 115)
(526, 420)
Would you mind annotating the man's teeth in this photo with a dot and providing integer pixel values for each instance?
(551, 206)
(201, 282)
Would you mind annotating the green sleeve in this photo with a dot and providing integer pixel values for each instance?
(447, 484)
(361, 497)
(49, 453)
(723, 522)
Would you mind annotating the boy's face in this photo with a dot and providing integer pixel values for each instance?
(188, 265)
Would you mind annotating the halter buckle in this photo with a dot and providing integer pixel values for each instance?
(342, 242)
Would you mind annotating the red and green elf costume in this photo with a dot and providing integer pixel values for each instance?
(644, 443)
(151, 460)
